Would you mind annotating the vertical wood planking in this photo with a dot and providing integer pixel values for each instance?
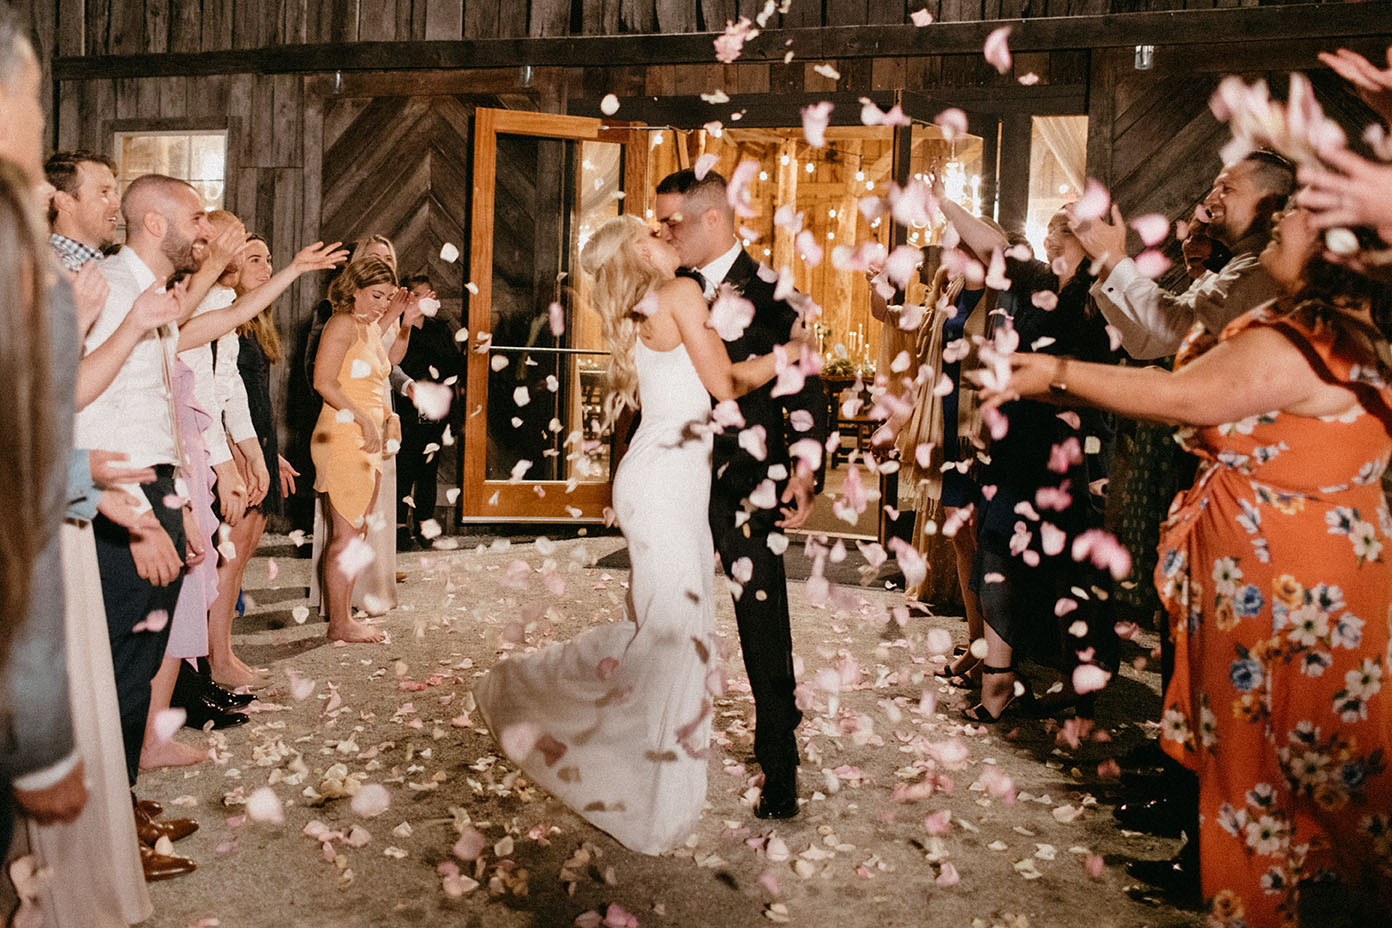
(1101, 113)
(287, 108)
(127, 29)
(377, 20)
(889, 12)
(512, 18)
(343, 24)
(156, 26)
(71, 27)
(550, 17)
(185, 28)
(481, 19)
(675, 16)
(716, 13)
(847, 12)
(444, 19)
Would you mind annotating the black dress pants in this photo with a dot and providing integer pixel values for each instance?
(129, 600)
(416, 471)
(761, 612)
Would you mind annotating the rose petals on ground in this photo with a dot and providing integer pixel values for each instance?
(371, 800)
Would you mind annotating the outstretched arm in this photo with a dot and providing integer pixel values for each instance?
(204, 328)
(1258, 371)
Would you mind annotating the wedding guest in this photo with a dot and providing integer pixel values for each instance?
(1152, 321)
(375, 591)
(82, 214)
(257, 288)
(355, 430)
(1022, 567)
(1271, 574)
(697, 220)
(141, 571)
(947, 491)
(433, 355)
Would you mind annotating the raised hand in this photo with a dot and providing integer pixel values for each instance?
(1351, 191)
(90, 291)
(1374, 85)
(319, 257)
(228, 245)
(153, 309)
(1101, 239)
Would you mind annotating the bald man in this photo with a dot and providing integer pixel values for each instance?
(167, 231)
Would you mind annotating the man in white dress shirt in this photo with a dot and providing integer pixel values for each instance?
(1152, 321)
(167, 231)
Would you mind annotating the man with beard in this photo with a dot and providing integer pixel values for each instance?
(167, 232)
(1151, 320)
(82, 213)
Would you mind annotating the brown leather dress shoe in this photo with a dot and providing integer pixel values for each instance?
(150, 807)
(149, 831)
(160, 867)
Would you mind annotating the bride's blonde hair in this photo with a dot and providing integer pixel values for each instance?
(621, 279)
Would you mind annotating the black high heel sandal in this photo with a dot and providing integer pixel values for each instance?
(961, 679)
(982, 716)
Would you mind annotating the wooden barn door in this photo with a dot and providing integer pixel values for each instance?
(533, 447)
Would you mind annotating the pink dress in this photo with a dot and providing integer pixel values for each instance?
(188, 632)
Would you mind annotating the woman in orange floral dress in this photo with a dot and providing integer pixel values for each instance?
(1276, 569)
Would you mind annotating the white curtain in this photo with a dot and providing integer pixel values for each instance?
(1066, 137)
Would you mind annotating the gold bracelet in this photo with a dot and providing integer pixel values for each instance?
(1059, 383)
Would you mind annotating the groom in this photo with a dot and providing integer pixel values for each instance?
(697, 219)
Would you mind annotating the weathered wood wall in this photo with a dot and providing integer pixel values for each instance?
(100, 27)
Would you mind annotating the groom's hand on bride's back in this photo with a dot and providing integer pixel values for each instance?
(798, 492)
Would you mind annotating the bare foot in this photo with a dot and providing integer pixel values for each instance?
(236, 673)
(171, 753)
(355, 632)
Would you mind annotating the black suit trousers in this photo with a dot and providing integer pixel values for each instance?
(761, 612)
(129, 599)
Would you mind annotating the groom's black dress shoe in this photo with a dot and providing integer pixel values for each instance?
(778, 798)
(194, 693)
(218, 695)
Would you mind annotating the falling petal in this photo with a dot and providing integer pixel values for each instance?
(815, 119)
(449, 253)
(1151, 263)
(1152, 228)
(167, 722)
(264, 805)
(704, 164)
(997, 49)
(1094, 202)
(921, 18)
(609, 105)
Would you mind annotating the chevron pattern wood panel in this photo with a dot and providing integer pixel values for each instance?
(399, 166)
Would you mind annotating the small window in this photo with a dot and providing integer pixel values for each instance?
(199, 157)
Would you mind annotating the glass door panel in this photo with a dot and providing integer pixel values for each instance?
(533, 446)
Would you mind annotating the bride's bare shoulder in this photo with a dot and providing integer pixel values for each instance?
(680, 293)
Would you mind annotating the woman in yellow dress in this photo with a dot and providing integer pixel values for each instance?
(356, 428)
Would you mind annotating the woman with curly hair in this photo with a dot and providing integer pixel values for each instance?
(1276, 571)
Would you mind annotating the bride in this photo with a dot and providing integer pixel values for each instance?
(615, 723)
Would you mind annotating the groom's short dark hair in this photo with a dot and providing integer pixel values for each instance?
(708, 192)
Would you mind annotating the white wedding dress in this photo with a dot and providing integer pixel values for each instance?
(616, 722)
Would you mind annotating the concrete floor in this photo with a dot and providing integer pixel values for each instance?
(860, 854)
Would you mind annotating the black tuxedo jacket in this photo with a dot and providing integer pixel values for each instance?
(736, 470)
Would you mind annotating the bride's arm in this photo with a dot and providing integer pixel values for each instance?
(725, 381)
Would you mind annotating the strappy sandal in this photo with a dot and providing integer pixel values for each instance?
(1017, 701)
(961, 679)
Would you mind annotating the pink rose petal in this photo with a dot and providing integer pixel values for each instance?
(815, 119)
(371, 800)
(997, 49)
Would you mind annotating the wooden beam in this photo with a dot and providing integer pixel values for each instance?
(1159, 27)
